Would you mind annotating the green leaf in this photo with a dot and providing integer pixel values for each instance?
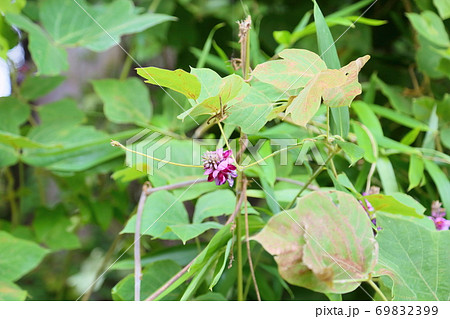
(221, 265)
(336, 251)
(61, 113)
(161, 210)
(366, 141)
(441, 181)
(415, 258)
(13, 113)
(36, 86)
(430, 26)
(178, 80)
(12, 6)
(79, 147)
(353, 151)
(250, 114)
(229, 89)
(415, 171)
(399, 118)
(217, 203)
(18, 141)
(210, 82)
(397, 203)
(296, 69)
(69, 22)
(367, 117)
(182, 255)
(124, 101)
(189, 231)
(52, 229)
(49, 58)
(394, 94)
(443, 8)
(11, 292)
(387, 175)
(153, 277)
(339, 117)
(18, 256)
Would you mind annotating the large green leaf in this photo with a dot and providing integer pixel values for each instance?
(18, 256)
(79, 147)
(153, 277)
(161, 210)
(71, 23)
(325, 243)
(96, 28)
(50, 59)
(177, 80)
(415, 258)
(124, 101)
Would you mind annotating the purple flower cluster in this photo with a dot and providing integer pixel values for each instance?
(219, 166)
(437, 216)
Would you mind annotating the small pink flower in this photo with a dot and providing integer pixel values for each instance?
(219, 166)
(437, 216)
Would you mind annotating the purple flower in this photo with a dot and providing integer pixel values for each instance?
(219, 166)
(437, 216)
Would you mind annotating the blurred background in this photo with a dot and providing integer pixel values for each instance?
(77, 208)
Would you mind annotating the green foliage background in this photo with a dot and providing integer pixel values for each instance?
(67, 196)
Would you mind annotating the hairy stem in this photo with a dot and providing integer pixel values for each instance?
(249, 253)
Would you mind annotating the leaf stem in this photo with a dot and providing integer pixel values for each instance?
(118, 144)
(377, 289)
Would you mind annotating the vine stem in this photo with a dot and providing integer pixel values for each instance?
(118, 144)
(377, 289)
(137, 242)
(249, 253)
